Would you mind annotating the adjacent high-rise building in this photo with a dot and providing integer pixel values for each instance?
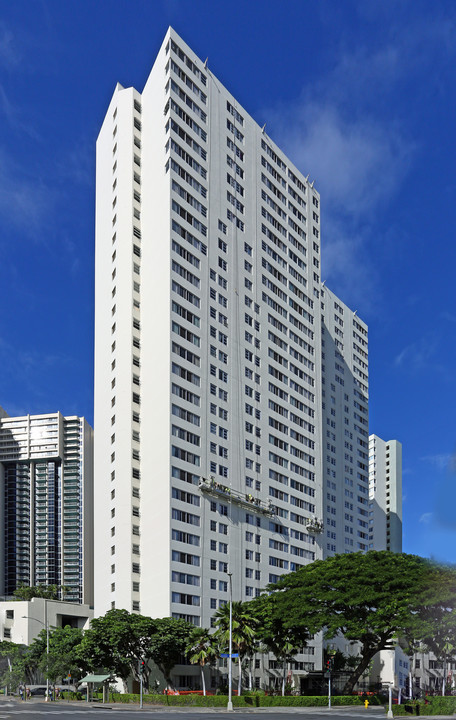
(46, 491)
(231, 386)
(385, 494)
(345, 419)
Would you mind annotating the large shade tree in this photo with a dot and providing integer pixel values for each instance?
(117, 642)
(167, 644)
(372, 599)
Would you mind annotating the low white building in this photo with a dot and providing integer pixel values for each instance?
(392, 668)
(22, 620)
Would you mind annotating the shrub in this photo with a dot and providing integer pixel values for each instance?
(250, 699)
(436, 705)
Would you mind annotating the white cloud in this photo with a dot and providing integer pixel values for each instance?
(349, 131)
(9, 53)
(417, 355)
(440, 460)
(356, 163)
(24, 203)
(426, 518)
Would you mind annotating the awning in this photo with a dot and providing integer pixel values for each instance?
(95, 678)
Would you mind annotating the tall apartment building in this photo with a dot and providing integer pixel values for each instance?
(345, 417)
(46, 491)
(385, 494)
(212, 402)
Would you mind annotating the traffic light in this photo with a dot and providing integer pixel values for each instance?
(329, 664)
(142, 666)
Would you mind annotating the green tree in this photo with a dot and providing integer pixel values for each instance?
(64, 653)
(28, 592)
(167, 644)
(276, 635)
(202, 649)
(372, 598)
(440, 638)
(20, 666)
(244, 624)
(117, 642)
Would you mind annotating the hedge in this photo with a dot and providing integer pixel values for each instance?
(248, 700)
(435, 705)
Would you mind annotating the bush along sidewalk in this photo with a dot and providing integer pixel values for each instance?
(247, 700)
(436, 705)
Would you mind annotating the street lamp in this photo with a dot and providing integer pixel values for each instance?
(229, 707)
(389, 714)
(46, 625)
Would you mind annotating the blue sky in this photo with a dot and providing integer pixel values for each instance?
(361, 95)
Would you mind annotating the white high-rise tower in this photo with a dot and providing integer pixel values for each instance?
(210, 438)
(385, 494)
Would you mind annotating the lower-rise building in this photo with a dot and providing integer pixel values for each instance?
(21, 621)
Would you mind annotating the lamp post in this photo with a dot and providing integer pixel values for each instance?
(229, 706)
(389, 714)
(46, 622)
(46, 625)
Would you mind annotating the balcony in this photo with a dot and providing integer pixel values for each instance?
(247, 500)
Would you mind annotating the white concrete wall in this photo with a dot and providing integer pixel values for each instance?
(155, 351)
(113, 366)
(21, 621)
(385, 493)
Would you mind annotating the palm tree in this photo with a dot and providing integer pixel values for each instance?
(201, 649)
(282, 641)
(243, 631)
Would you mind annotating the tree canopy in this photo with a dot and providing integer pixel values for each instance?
(119, 640)
(64, 656)
(167, 643)
(370, 598)
(28, 592)
(275, 634)
(116, 642)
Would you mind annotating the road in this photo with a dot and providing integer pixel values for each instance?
(12, 709)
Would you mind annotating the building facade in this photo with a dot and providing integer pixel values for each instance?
(345, 416)
(46, 477)
(22, 621)
(219, 358)
(385, 494)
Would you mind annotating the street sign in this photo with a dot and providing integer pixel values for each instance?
(226, 655)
